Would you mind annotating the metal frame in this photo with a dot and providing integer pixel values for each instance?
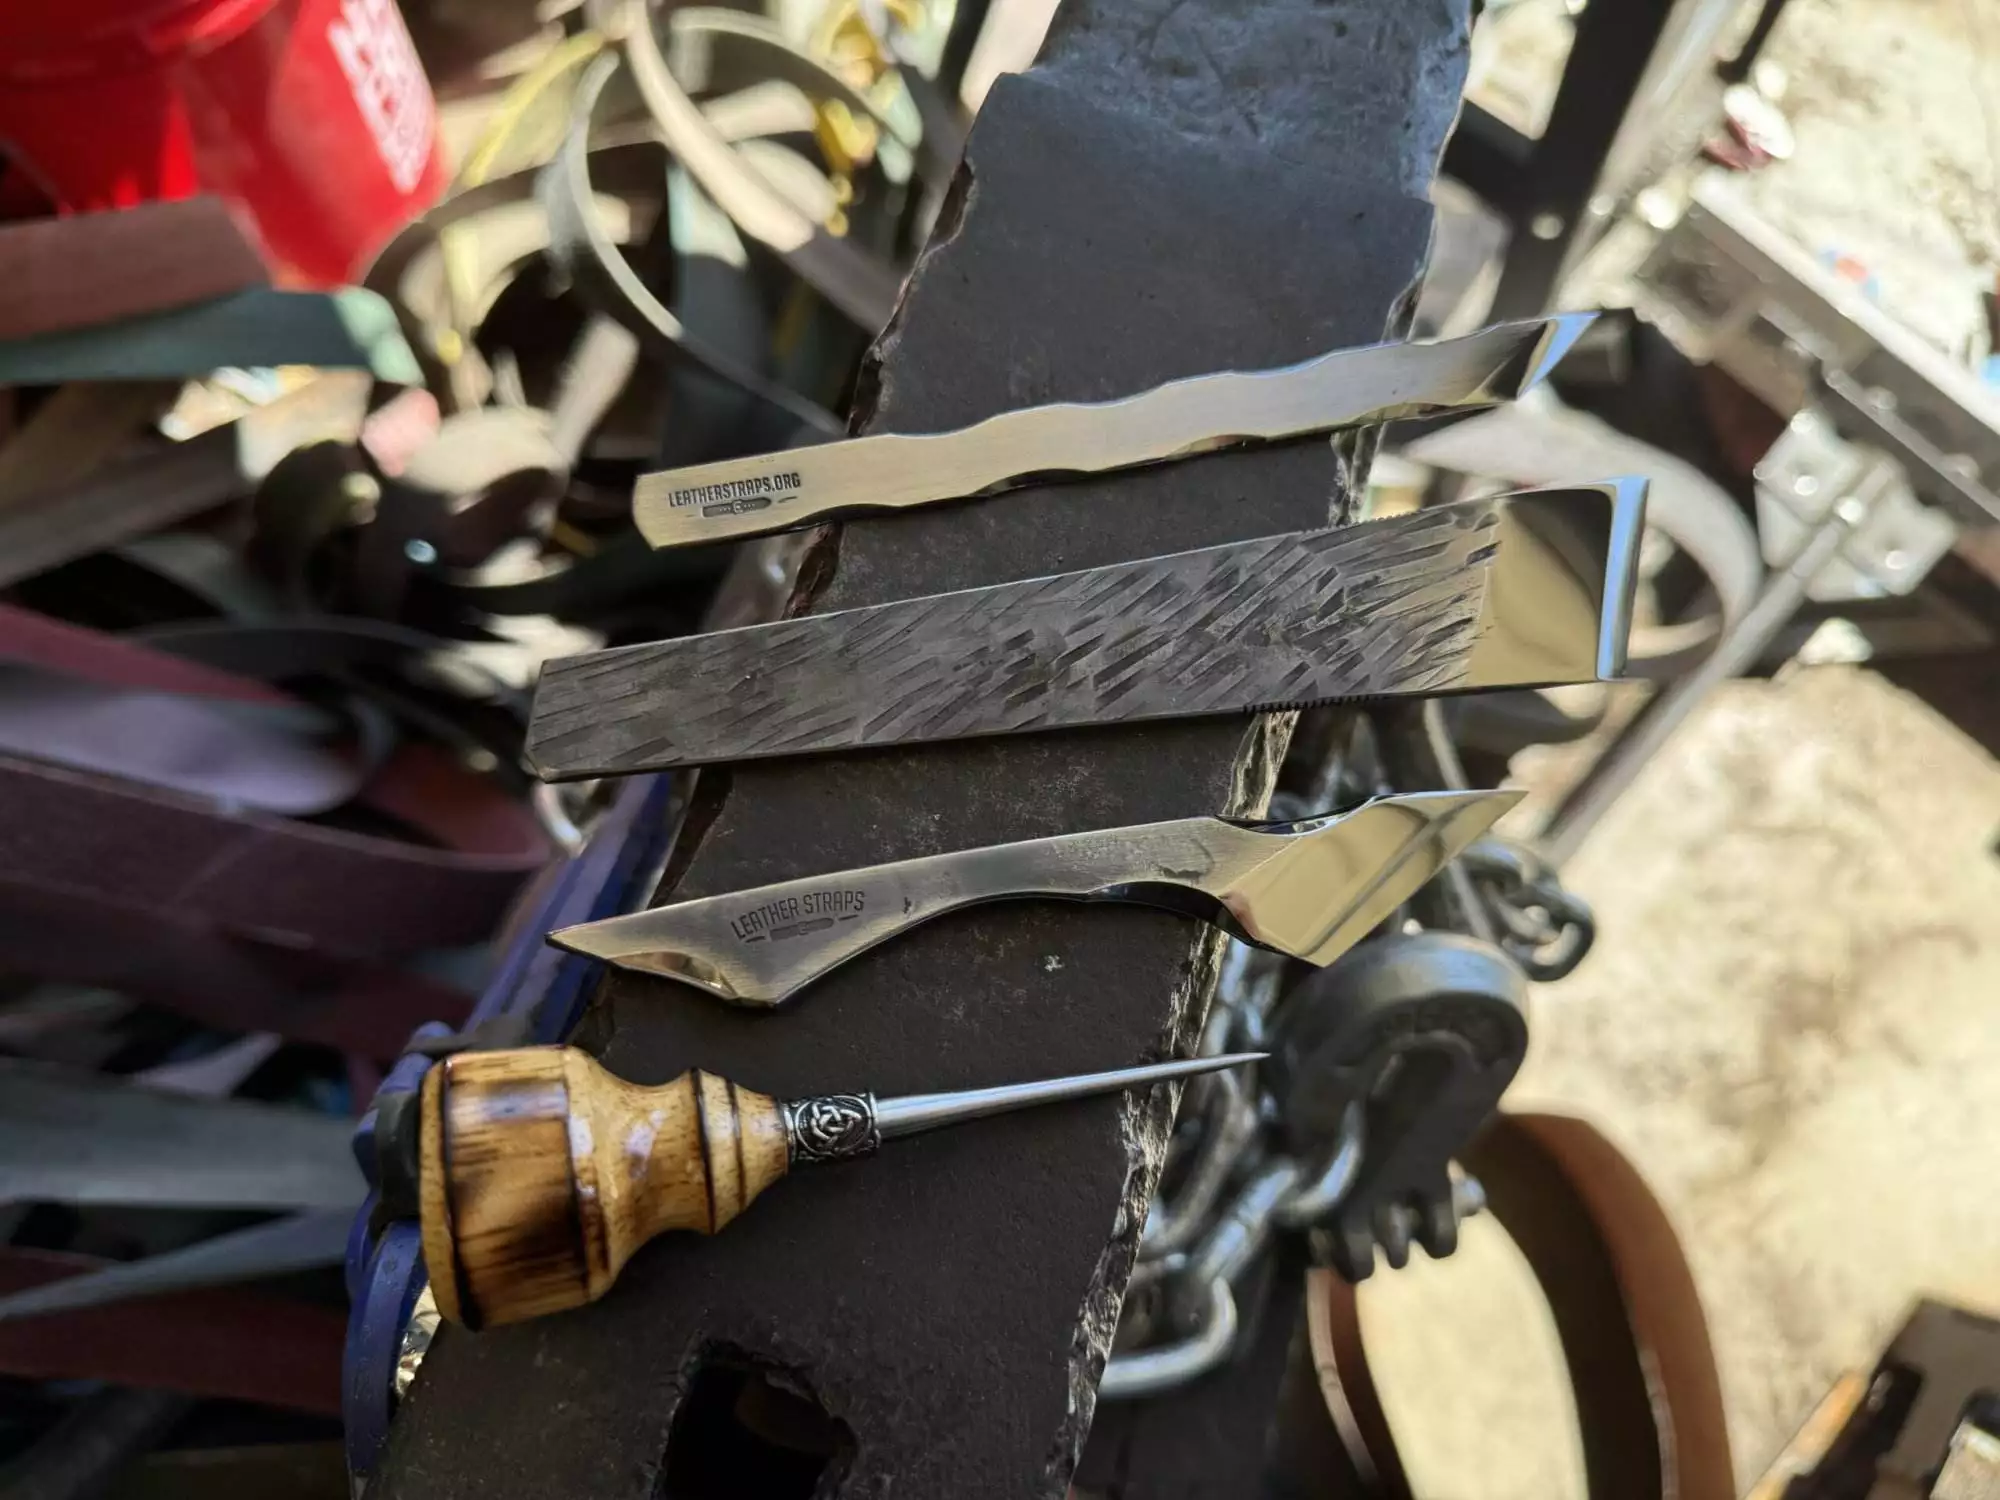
(1891, 446)
(1730, 290)
(1629, 89)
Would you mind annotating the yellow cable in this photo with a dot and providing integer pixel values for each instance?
(515, 106)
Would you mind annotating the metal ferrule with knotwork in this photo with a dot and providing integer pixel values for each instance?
(831, 1127)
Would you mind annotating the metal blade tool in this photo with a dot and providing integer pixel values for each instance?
(743, 497)
(535, 1173)
(1310, 888)
(1522, 590)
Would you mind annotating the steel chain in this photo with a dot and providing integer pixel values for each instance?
(1236, 1186)
(1195, 1246)
(1545, 927)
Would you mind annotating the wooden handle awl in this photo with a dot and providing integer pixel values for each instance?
(540, 1174)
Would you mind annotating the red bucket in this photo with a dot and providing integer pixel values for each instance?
(313, 117)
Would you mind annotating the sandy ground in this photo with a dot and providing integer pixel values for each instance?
(1896, 107)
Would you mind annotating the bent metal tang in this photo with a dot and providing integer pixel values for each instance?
(743, 497)
(1309, 888)
(1521, 590)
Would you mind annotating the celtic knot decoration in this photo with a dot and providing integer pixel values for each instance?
(832, 1127)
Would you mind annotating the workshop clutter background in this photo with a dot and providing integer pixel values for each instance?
(333, 336)
(424, 434)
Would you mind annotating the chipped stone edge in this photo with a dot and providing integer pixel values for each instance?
(1146, 1124)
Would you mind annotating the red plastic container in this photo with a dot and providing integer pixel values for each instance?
(313, 117)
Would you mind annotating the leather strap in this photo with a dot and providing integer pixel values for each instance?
(75, 430)
(90, 702)
(1648, 1398)
(351, 329)
(68, 1135)
(462, 496)
(250, 921)
(250, 874)
(276, 1247)
(161, 486)
(151, 488)
(326, 645)
(862, 285)
(250, 756)
(226, 983)
(443, 690)
(1340, 1361)
(585, 249)
(231, 1345)
(716, 50)
(625, 567)
(35, 640)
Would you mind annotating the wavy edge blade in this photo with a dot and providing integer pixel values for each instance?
(1521, 363)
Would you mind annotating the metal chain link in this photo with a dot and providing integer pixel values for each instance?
(1235, 1187)
(1196, 1244)
(1546, 928)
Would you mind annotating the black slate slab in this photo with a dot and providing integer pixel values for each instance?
(1178, 188)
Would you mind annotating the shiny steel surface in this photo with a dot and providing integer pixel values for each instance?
(892, 471)
(1521, 590)
(1558, 604)
(1783, 593)
(909, 1113)
(1308, 888)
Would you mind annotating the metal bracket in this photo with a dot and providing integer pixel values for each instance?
(1729, 289)
(1810, 470)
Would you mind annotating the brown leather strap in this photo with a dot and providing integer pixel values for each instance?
(154, 486)
(1333, 1328)
(35, 640)
(244, 919)
(272, 759)
(226, 983)
(330, 889)
(1648, 1399)
(75, 431)
(1571, 1200)
(237, 1346)
(337, 890)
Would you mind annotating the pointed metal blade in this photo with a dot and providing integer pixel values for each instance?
(742, 497)
(910, 1113)
(1308, 888)
(1327, 890)
(1522, 590)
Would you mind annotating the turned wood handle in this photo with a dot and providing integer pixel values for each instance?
(541, 1173)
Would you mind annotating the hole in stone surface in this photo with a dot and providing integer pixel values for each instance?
(749, 1427)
